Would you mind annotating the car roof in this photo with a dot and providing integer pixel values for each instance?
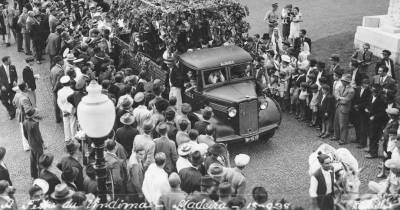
(215, 57)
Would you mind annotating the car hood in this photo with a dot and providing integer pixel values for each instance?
(235, 92)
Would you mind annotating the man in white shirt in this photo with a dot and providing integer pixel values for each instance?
(67, 109)
(321, 184)
(140, 113)
(271, 17)
(155, 181)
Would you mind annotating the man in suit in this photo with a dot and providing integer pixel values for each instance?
(48, 173)
(29, 78)
(363, 57)
(388, 62)
(175, 82)
(377, 120)
(334, 59)
(35, 140)
(322, 183)
(383, 79)
(117, 166)
(356, 75)
(343, 105)
(127, 133)
(4, 174)
(8, 79)
(72, 160)
(327, 107)
(53, 46)
(167, 146)
(362, 97)
(299, 41)
(57, 71)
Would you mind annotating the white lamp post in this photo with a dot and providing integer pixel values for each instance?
(96, 116)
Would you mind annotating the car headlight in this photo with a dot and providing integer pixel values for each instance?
(263, 105)
(232, 112)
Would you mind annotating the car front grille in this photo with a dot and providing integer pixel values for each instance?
(248, 117)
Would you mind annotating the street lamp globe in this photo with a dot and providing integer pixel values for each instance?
(96, 112)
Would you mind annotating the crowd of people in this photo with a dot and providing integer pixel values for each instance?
(156, 153)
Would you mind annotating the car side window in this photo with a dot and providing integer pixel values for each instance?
(241, 71)
(215, 76)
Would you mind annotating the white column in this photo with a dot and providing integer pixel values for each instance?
(394, 12)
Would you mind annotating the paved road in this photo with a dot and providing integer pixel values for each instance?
(279, 164)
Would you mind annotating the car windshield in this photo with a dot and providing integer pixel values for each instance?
(215, 76)
(241, 71)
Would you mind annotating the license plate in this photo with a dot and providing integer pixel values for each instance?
(251, 138)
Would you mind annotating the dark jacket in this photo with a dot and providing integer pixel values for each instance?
(3, 77)
(377, 110)
(361, 102)
(33, 135)
(28, 77)
(4, 175)
(125, 136)
(297, 43)
(72, 162)
(359, 77)
(177, 78)
(201, 126)
(50, 178)
(327, 106)
(168, 147)
(190, 179)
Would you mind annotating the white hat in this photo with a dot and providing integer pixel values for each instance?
(392, 111)
(286, 58)
(65, 79)
(202, 148)
(184, 149)
(42, 184)
(242, 160)
(393, 163)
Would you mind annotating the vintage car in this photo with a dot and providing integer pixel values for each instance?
(223, 78)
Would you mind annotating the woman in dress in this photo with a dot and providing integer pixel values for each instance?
(295, 24)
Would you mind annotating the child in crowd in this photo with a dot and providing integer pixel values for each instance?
(303, 100)
(326, 110)
(283, 90)
(314, 104)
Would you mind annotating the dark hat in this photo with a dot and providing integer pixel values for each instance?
(2, 152)
(69, 173)
(366, 81)
(322, 157)
(29, 59)
(338, 72)
(335, 57)
(216, 149)
(207, 112)
(314, 87)
(207, 181)
(32, 113)
(148, 125)
(186, 108)
(275, 4)
(287, 43)
(3, 185)
(196, 158)
(387, 52)
(169, 113)
(46, 160)
(346, 78)
(216, 170)
(61, 192)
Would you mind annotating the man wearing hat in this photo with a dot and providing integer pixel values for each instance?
(322, 183)
(167, 146)
(146, 140)
(271, 17)
(127, 133)
(61, 194)
(184, 151)
(214, 152)
(191, 176)
(175, 196)
(140, 113)
(362, 97)
(69, 176)
(202, 124)
(377, 120)
(57, 71)
(67, 109)
(363, 57)
(33, 135)
(29, 78)
(343, 105)
(53, 46)
(388, 62)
